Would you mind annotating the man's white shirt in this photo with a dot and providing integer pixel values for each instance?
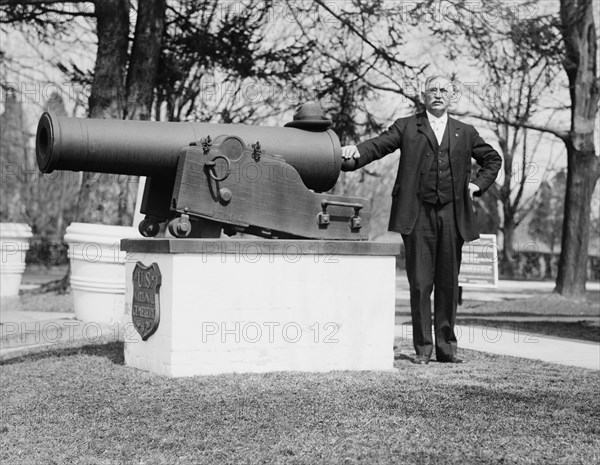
(438, 125)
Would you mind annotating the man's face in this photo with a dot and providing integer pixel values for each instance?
(438, 94)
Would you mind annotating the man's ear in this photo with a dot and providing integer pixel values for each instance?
(422, 98)
(420, 105)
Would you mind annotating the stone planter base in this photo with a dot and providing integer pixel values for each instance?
(14, 243)
(98, 271)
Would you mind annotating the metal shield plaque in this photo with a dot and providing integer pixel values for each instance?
(145, 310)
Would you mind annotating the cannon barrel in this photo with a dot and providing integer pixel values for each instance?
(149, 148)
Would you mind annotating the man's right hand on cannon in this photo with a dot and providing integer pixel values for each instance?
(350, 152)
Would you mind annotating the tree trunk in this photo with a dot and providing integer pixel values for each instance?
(141, 79)
(107, 99)
(507, 255)
(579, 34)
(145, 54)
(572, 265)
(60, 216)
(508, 224)
(100, 197)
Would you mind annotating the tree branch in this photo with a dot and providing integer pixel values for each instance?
(378, 50)
(39, 2)
(563, 135)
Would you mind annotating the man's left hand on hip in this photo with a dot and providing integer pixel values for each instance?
(473, 189)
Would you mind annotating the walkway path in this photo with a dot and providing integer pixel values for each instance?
(24, 330)
(522, 344)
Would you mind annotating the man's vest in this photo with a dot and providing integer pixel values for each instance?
(438, 186)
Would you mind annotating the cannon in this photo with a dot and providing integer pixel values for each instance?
(205, 178)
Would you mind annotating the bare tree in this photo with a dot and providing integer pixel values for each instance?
(122, 82)
(13, 159)
(226, 63)
(547, 219)
(583, 168)
(122, 87)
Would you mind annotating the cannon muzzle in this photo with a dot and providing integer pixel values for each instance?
(148, 148)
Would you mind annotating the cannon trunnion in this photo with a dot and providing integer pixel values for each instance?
(207, 178)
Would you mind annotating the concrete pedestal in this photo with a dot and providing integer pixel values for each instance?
(264, 305)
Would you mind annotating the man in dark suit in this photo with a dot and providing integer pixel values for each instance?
(432, 207)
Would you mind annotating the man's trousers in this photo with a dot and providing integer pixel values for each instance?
(433, 253)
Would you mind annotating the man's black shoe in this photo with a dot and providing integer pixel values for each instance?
(421, 359)
(451, 360)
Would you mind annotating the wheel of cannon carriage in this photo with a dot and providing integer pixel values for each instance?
(149, 227)
(180, 227)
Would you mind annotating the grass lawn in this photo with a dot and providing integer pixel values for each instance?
(82, 405)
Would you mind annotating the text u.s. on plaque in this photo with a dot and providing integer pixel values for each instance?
(479, 263)
(145, 309)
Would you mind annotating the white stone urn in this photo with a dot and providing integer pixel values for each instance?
(14, 243)
(98, 271)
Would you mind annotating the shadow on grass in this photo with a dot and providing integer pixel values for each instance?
(579, 330)
(400, 351)
(111, 350)
(403, 357)
(543, 304)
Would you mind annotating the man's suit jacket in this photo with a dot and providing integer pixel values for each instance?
(417, 143)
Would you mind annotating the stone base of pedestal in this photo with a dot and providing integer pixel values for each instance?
(239, 306)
